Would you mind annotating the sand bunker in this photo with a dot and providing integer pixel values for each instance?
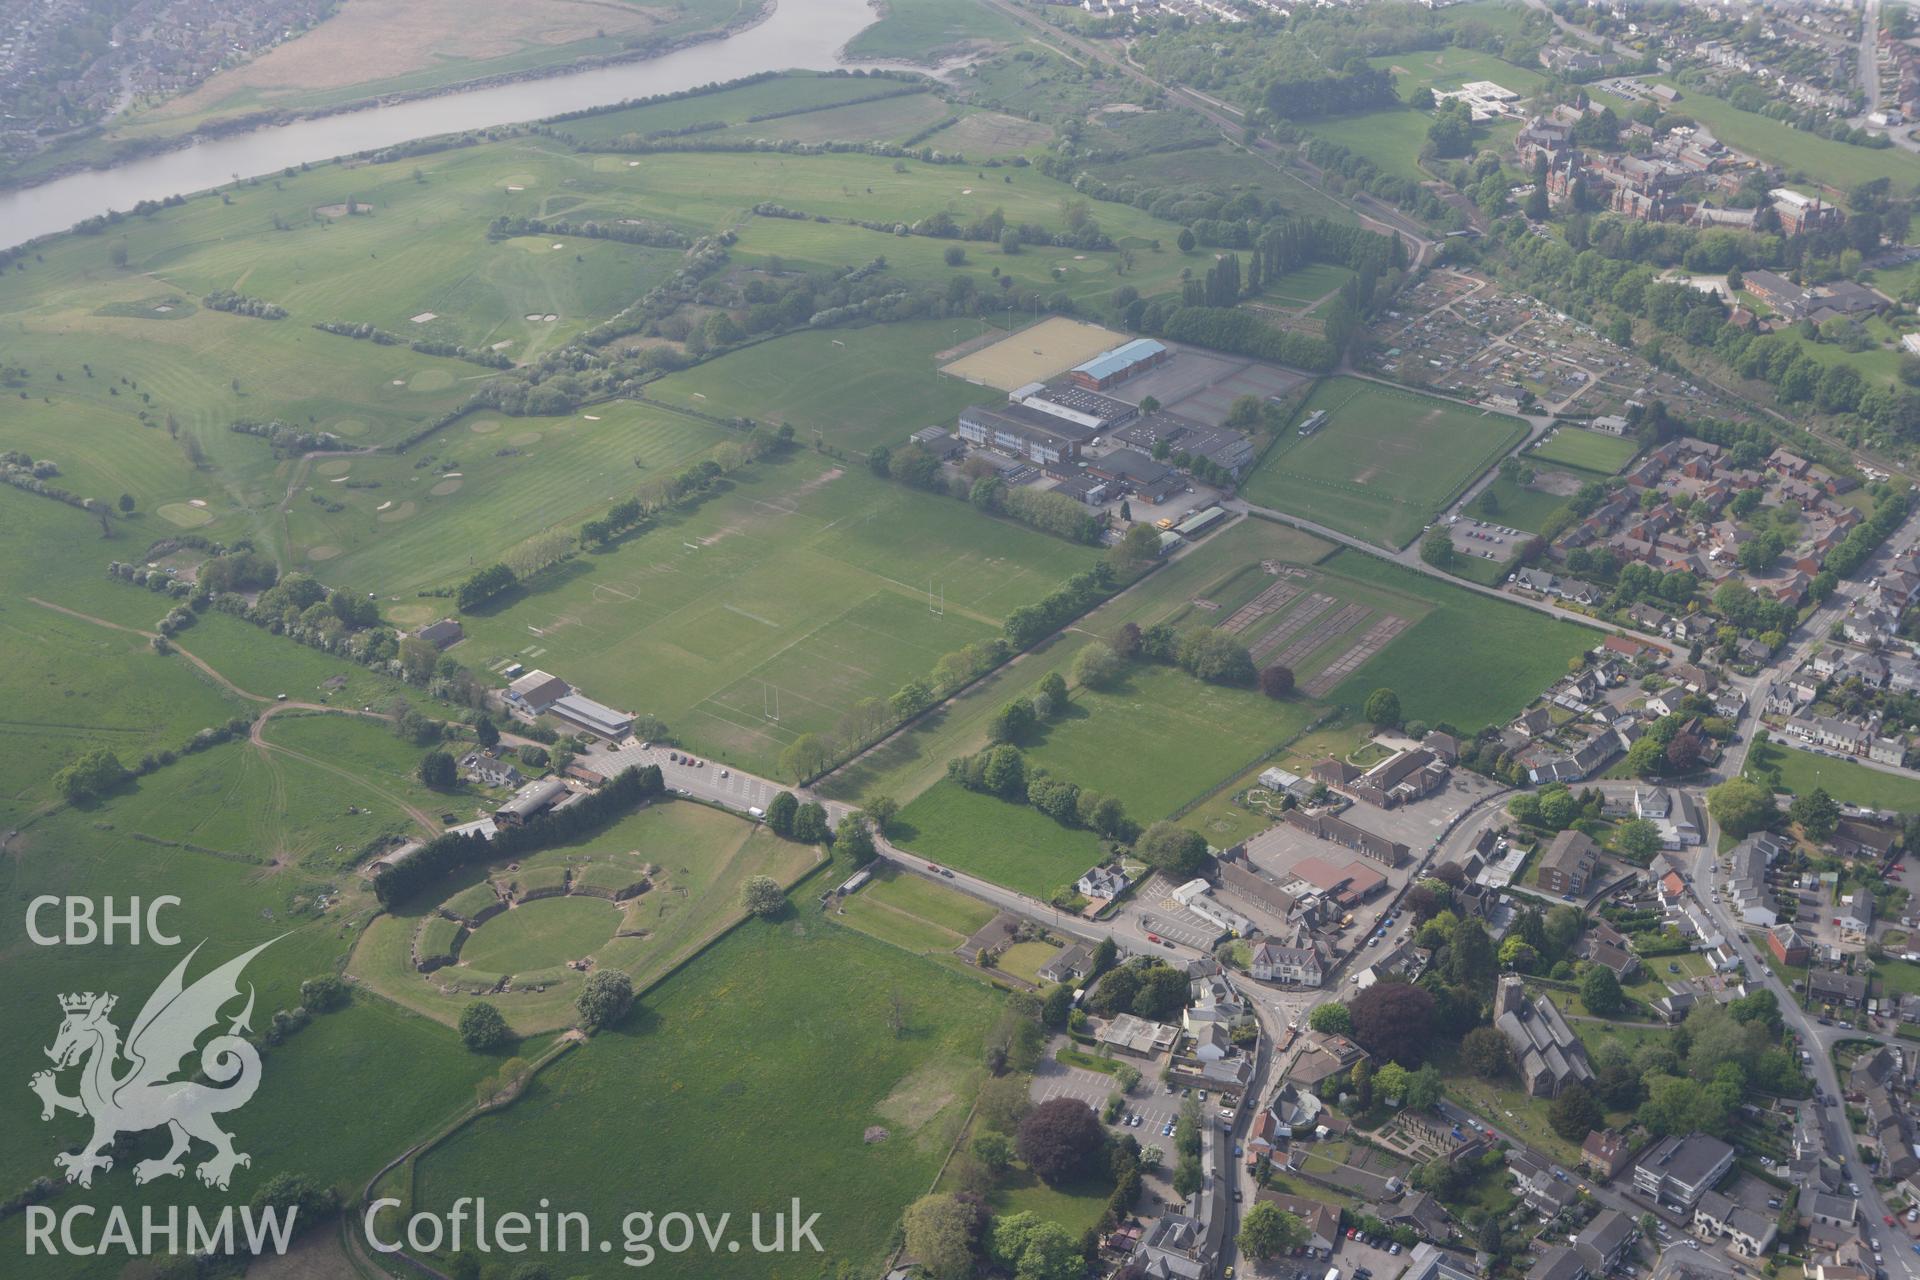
(183, 515)
(425, 316)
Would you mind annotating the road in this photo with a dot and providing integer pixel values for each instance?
(1707, 870)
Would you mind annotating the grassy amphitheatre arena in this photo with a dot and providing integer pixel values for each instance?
(1385, 461)
(639, 896)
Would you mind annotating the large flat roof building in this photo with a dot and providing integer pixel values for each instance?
(1119, 364)
(1023, 433)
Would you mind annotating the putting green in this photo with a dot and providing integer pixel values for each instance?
(349, 427)
(333, 466)
(430, 380)
(322, 552)
(399, 511)
(184, 514)
(541, 934)
(445, 487)
(483, 428)
(524, 438)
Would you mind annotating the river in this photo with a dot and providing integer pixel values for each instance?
(801, 35)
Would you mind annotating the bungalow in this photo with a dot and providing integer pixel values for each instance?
(443, 634)
(1070, 964)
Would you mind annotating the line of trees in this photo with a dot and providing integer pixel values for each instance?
(395, 882)
(240, 304)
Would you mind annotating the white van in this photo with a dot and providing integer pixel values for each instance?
(756, 813)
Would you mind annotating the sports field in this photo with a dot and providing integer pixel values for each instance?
(1588, 450)
(1306, 285)
(854, 388)
(1034, 354)
(764, 1068)
(1385, 462)
(769, 611)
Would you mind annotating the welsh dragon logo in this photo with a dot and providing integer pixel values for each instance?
(143, 1093)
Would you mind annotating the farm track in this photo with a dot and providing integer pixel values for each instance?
(274, 707)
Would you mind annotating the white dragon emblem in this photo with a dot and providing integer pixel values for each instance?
(145, 1095)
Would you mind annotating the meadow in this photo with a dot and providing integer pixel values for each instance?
(704, 856)
(1588, 450)
(927, 31)
(745, 1130)
(1848, 781)
(1384, 464)
(797, 91)
(364, 1061)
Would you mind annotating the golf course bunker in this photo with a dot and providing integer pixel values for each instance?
(399, 511)
(524, 438)
(541, 934)
(430, 380)
(186, 515)
(322, 552)
(332, 466)
(483, 428)
(444, 488)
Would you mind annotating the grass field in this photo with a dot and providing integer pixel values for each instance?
(806, 583)
(1516, 506)
(856, 389)
(1799, 153)
(910, 762)
(799, 91)
(1588, 450)
(1847, 781)
(783, 1030)
(1385, 462)
(1449, 68)
(1425, 664)
(396, 1073)
(1010, 844)
(1200, 733)
(1306, 285)
(926, 31)
(703, 856)
(913, 913)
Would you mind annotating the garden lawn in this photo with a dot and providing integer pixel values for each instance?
(812, 1001)
(1013, 845)
(1587, 449)
(926, 31)
(1443, 668)
(1384, 464)
(1847, 781)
